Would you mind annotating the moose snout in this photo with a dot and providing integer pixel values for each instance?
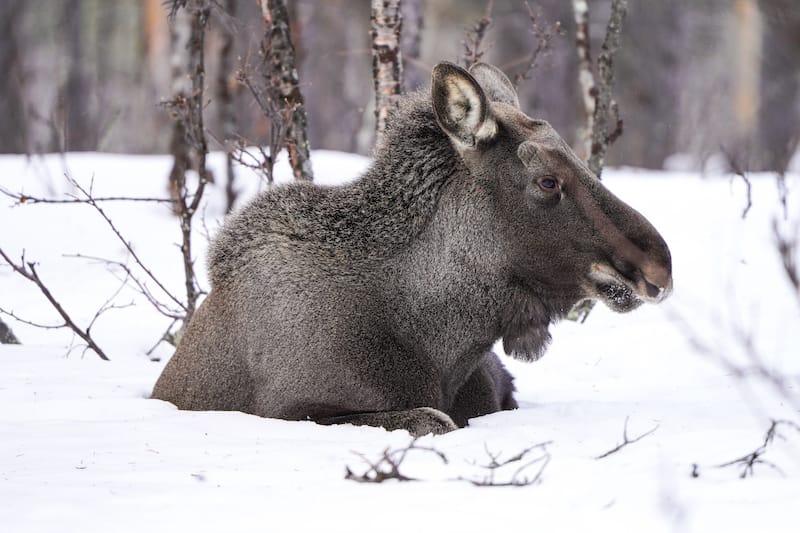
(656, 282)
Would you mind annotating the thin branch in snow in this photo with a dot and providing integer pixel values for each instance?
(749, 461)
(626, 440)
(388, 466)
(28, 271)
(517, 479)
(738, 169)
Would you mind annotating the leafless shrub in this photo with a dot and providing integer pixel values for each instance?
(518, 477)
(748, 462)
(27, 269)
(626, 441)
(388, 465)
(139, 277)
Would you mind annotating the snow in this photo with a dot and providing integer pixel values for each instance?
(82, 448)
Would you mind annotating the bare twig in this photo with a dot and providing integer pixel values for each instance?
(473, 38)
(28, 271)
(279, 114)
(747, 345)
(516, 479)
(22, 198)
(749, 461)
(388, 466)
(90, 201)
(626, 440)
(543, 34)
(137, 284)
(736, 166)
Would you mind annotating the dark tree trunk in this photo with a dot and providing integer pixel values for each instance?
(779, 118)
(227, 111)
(6, 335)
(78, 133)
(280, 71)
(414, 76)
(387, 59)
(14, 128)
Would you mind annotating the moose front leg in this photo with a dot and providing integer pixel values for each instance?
(489, 389)
(418, 421)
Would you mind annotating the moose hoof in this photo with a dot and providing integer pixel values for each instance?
(425, 420)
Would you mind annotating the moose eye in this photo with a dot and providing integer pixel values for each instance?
(548, 184)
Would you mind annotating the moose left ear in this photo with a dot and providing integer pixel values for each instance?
(461, 106)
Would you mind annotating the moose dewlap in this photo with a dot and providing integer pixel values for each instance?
(378, 302)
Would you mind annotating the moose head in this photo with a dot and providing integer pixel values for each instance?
(569, 238)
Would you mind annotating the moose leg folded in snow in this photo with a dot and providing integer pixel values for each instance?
(378, 302)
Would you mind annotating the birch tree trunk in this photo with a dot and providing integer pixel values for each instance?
(189, 146)
(387, 59)
(280, 72)
(594, 137)
(585, 77)
(605, 107)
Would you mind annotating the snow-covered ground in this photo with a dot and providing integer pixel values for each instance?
(82, 448)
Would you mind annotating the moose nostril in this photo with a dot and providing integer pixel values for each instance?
(652, 290)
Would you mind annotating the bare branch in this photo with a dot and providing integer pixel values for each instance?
(90, 201)
(28, 271)
(625, 440)
(543, 34)
(473, 37)
(738, 168)
(516, 479)
(749, 461)
(21, 198)
(388, 466)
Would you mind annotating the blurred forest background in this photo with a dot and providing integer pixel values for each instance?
(696, 77)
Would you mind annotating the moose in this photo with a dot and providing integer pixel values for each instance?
(378, 302)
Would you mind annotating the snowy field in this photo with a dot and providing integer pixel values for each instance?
(82, 448)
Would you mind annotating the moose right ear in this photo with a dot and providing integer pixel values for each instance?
(461, 106)
(495, 83)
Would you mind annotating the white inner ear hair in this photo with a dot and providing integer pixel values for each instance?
(465, 109)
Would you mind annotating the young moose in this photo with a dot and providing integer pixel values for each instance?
(378, 302)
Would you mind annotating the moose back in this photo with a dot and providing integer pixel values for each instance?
(378, 302)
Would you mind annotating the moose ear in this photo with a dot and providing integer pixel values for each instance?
(461, 106)
(497, 86)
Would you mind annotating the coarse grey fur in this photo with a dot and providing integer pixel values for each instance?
(378, 302)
